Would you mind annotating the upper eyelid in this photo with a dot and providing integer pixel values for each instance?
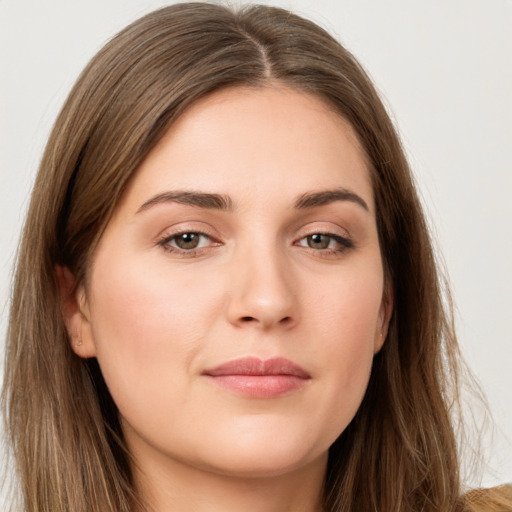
(324, 230)
(324, 227)
(182, 228)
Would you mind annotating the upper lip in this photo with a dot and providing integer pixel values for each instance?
(258, 367)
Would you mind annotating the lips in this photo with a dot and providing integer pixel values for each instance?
(257, 378)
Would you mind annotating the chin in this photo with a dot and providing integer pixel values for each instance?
(261, 466)
(262, 456)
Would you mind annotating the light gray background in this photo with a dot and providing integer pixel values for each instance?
(445, 69)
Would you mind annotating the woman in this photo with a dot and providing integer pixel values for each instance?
(226, 296)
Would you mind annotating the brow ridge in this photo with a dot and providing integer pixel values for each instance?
(192, 198)
(223, 202)
(324, 197)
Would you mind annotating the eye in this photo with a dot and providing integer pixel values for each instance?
(325, 242)
(187, 241)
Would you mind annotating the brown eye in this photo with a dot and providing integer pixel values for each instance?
(187, 240)
(327, 242)
(187, 243)
(319, 241)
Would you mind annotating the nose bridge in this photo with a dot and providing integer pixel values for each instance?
(262, 287)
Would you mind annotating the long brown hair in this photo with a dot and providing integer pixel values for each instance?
(399, 453)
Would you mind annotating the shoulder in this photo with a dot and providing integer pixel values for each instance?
(495, 499)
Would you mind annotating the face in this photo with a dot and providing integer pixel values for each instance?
(236, 300)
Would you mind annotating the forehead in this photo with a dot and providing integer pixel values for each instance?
(254, 142)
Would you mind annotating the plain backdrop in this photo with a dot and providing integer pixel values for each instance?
(444, 68)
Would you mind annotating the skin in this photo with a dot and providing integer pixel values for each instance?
(157, 315)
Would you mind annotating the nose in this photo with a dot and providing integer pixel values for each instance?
(262, 292)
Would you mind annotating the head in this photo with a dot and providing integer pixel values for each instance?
(132, 99)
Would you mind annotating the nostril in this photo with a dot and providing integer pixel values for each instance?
(286, 320)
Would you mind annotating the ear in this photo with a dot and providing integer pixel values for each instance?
(386, 310)
(75, 311)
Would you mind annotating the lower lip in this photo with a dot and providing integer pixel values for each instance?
(260, 386)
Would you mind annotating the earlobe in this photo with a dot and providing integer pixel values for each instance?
(75, 312)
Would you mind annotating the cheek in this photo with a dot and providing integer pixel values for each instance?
(346, 326)
(147, 329)
(348, 313)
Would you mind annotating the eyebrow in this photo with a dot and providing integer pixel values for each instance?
(200, 199)
(325, 197)
(223, 202)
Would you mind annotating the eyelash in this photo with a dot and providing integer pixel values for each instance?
(167, 240)
(343, 244)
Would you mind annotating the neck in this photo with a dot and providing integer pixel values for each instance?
(177, 487)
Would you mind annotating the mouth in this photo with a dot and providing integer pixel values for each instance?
(256, 378)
